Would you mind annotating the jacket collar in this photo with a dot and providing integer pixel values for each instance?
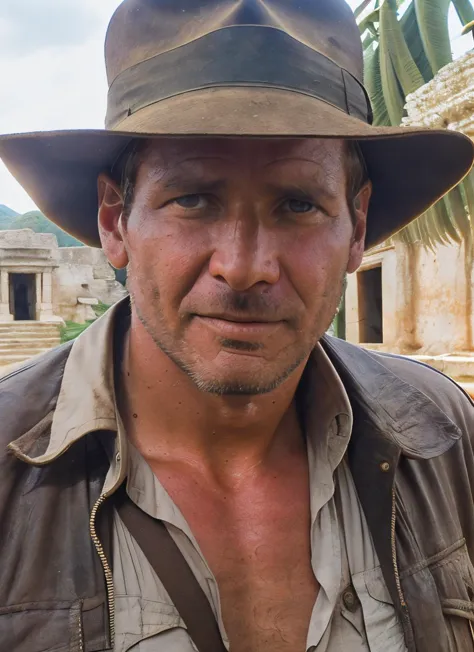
(397, 410)
(86, 399)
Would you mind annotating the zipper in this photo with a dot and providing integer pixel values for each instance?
(401, 597)
(81, 636)
(404, 613)
(109, 582)
(81, 633)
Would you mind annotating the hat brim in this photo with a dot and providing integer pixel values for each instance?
(410, 168)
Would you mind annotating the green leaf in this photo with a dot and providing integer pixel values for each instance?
(411, 233)
(391, 32)
(446, 227)
(432, 16)
(369, 39)
(393, 96)
(72, 330)
(360, 9)
(373, 83)
(457, 211)
(467, 189)
(412, 35)
(367, 23)
(465, 10)
(100, 309)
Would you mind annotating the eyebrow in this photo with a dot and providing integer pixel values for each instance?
(298, 192)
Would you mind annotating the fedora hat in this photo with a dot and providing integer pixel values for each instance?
(236, 68)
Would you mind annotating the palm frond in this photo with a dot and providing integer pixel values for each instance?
(411, 32)
(432, 17)
(373, 83)
(361, 8)
(406, 70)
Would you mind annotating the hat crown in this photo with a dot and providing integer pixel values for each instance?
(142, 29)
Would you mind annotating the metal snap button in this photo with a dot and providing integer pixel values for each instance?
(385, 467)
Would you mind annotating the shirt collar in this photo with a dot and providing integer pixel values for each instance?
(87, 399)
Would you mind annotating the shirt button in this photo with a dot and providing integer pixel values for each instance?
(385, 467)
(350, 600)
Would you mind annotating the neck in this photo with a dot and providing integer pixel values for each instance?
(169, 419)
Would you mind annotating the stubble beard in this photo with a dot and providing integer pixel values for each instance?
(220, 387)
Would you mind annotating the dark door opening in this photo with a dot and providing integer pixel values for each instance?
(23, 296)
(369, 290)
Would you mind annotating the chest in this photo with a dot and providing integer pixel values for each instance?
(257, 544)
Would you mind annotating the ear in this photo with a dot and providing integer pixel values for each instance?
(360, 210)
(110, 221)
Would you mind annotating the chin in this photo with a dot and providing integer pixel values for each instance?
(233, 387)
(243, 384)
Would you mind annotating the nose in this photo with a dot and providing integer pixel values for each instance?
(245, 255)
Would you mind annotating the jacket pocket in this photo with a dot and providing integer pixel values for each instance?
(40, 628)
(454, 577)
(453, 574)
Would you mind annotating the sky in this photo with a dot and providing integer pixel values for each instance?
(52, 71)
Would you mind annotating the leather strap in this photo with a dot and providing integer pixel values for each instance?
(174, 572)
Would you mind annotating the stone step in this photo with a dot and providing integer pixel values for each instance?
(31, 332)
(8, 325)
(458, 366)
(30, 335)
(18, 343)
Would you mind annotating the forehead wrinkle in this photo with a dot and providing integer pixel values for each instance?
(159, 169)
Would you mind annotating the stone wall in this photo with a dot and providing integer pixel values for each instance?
(83, 274)
(427, 295)
(447, 101)
(425, 305)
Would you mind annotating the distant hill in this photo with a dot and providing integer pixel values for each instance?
(7, 212)
(7, 215)
(36, 221)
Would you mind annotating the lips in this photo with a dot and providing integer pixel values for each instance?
(230, 326)
(240, 319)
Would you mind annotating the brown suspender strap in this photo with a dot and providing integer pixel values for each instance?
(174, 573)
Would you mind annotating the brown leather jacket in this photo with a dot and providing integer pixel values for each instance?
(411, 457)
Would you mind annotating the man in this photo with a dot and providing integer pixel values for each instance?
(204, 468)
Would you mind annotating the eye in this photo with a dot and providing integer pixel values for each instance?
(190, 202)
(298, 206)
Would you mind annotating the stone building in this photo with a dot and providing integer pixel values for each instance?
(42, 286)
(411, 300)
(40, 281)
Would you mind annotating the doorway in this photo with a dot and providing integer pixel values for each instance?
(369, 286)
(23, 296)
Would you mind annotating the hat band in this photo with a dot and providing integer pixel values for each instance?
(238, 56)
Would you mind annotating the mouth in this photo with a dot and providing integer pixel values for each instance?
(239, 327)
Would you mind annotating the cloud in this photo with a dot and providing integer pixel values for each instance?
(58, 80)
(27, 26)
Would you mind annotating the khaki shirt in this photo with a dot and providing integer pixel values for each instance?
(353, 611)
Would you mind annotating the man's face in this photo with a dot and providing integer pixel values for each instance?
(237, 252)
